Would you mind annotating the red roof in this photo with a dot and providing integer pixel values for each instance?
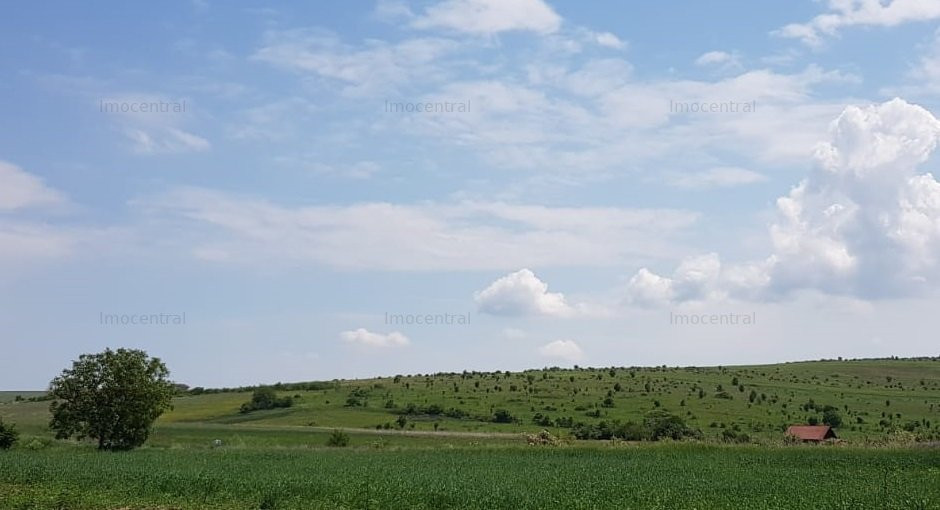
(811, 432)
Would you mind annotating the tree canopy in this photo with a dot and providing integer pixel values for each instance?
(113, 397)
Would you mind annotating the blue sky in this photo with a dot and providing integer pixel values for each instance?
(578, 202)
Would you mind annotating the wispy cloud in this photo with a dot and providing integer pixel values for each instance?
(720, 177)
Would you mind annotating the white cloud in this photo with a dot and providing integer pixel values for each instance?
(522, 293)
(721, 177)
(392, 11)
(848, 13)
(28, 241)
(609, 40)
(21, 238)
(924, 77)
(598, 118)
(485, 17)
(156, 126)
(26, 234)
(370, 69)
(20, 189)
(285, 119)
(356, 170)
(567, 350)
(367, 338)
(716, 58)
(695, 279)
(647, 288)
(864, 224)
(165, 140)
(416, 237)
(514, 334)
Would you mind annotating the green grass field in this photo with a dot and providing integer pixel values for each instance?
(278, 458)
(648, 477)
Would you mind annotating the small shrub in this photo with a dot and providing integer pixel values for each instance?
(338, 438)
(8, 435)
(36, 444)
(731, 436)
(502, 416)
(832, 417)
(543, 438)
(265, 398)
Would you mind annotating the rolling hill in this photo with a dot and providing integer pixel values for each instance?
(871, 397)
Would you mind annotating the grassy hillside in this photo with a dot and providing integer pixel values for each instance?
(871, 396)
(10, 396)
(452, 453)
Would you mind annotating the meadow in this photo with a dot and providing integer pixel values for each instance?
(456, 441)
(646, 477)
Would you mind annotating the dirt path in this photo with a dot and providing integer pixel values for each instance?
(426, 433)
(354, 430)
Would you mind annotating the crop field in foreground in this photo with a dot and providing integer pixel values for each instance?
(665, 476)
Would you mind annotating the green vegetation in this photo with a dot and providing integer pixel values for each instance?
(548, 438)
(649, 477)
(265, 398)
(20, 396)
(8, 435)
(112, 397)
(338, 438)
(866, 400)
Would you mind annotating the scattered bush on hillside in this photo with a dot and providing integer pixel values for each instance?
(661, 424)
(357, 398)
(8, 435)
(543, 420)
(732, 436)
(658, 424)
(502, 416)
(265, 398)
(338, 438)
(832, 417)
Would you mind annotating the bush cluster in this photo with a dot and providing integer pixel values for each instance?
(265, 398)
(656, 425)
(8, 436)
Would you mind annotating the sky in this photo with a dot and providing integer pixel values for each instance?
(263, 191)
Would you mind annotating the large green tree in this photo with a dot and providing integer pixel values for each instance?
(112, 397)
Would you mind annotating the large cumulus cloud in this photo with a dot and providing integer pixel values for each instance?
(864, 223)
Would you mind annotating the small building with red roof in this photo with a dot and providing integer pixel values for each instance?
(811, 433)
